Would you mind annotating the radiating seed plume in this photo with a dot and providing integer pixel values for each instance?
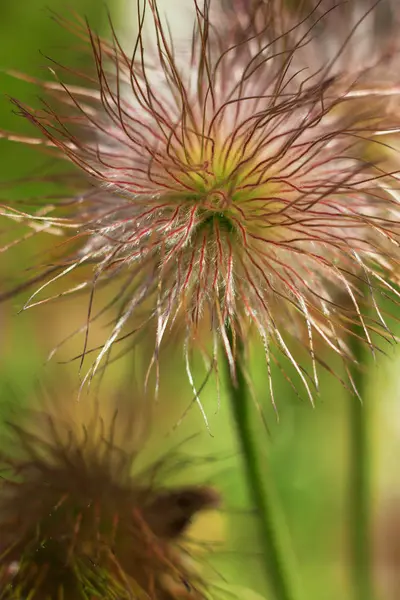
(248, 181)
(76, 522)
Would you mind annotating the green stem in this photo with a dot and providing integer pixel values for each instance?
(274, 538)
(359, 488)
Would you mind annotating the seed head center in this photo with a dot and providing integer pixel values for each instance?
(217, 200)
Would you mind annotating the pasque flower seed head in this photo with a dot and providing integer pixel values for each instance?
(77, 523)
(229, 185)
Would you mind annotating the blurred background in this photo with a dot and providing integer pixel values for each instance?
(306, 450)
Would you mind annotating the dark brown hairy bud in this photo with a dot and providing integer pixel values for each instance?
(77, 523)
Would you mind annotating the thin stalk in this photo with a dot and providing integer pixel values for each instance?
(274, 539)
(359, 484)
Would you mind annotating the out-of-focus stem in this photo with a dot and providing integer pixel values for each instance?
(274, 538)
(359, 484)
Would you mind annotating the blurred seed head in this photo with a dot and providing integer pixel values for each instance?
(76, 522)
(240, 183)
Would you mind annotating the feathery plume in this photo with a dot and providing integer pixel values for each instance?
(77, 522)
(233, 185)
